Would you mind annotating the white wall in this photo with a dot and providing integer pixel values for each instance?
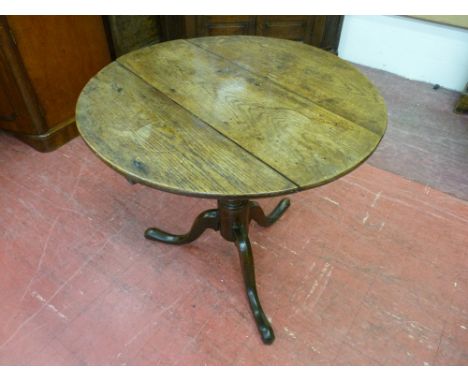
(415, 49)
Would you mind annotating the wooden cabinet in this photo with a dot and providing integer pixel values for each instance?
(219, 25)
(132, 32)
(45, 61)
(128, 33)
(320, 31)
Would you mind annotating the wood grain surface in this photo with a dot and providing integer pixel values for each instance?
(59, 54)
(312, 73)
(231, 116)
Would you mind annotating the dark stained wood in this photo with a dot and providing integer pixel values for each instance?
(7, 112)
(297, 28)
(52, 139)
(17, 85)
(45, 61)
(248, 272)
(207, 219)
(132, 32)
(276, 139)
(332, 33)
(231, 219)
(175, 27)
(321, 31)
(127, 33)
(224, 25)
(315, 37)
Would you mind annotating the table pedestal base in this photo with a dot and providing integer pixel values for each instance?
(232, 219)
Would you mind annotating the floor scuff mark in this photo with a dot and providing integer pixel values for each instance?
(365, 218)
(331, 201)
(377, 196)
(49, 306)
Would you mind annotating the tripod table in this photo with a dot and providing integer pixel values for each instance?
(233, 119)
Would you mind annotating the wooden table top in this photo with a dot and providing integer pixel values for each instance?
(231, 117)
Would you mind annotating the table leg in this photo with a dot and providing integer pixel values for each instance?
(207, 219)
(232, 218)
(248, 271)
(257, 214)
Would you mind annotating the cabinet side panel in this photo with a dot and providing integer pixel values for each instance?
(18, 103)
(60, 54)
(7, 112)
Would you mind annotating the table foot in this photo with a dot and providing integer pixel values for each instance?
(231, 219)
(207, 219)
(248, 271)
(257, 214)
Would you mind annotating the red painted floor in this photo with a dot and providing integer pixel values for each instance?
(371, 269)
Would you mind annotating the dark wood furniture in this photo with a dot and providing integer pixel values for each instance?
(44, 63)
(320, 31)
(127, 33)
(231, 118)
(132, 32)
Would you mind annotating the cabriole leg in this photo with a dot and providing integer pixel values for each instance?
(207, 219)
(232, 219)
(257, 214)
(247, 265)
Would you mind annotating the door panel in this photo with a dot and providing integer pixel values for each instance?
(225, 25)
(289, 27)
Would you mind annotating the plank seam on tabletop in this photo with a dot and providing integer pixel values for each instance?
(292, 91)
(306, 187)
(213, 128)
(299, 186)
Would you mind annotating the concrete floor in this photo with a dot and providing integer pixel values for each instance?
(369, 270)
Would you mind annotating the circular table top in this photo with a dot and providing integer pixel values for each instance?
(236, 117)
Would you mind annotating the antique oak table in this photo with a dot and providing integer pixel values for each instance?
(231, 118)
